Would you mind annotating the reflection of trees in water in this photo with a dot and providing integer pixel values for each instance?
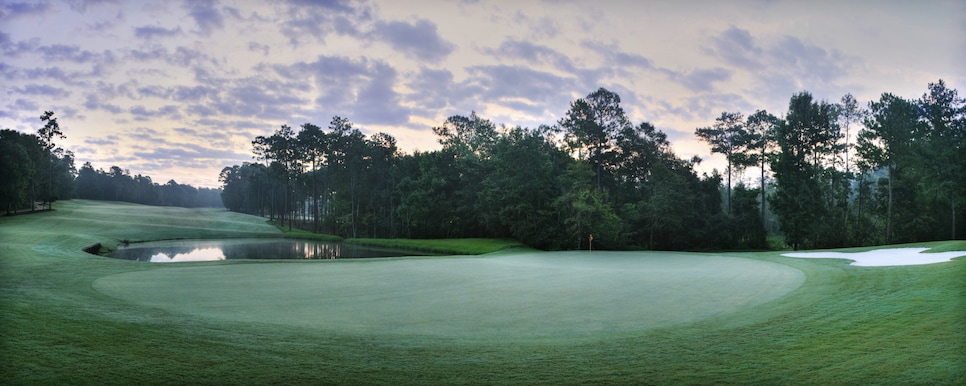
(316, 250)
(250, 249)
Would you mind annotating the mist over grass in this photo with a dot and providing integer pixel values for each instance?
(61, 324)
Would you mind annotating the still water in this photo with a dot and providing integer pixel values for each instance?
(232, 249)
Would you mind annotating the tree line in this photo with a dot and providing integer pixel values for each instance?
(34, 170)
(594, 172)
(903, 183)
(117, 184)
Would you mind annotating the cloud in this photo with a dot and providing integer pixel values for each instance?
(205, 15)
(81, 5)
(16, 9)
(614, 57)
(706, 107)
(523, 89)
(317, 19)
(110, 140)
(145, 134)
(419, 41)
(101, 26)
(182, 56)
(192, 93)
(737, 47)
(812, 62)
(520, 81)
(93, 102)
(154, 91)
(378, 103)
(186, 57)
(23, 104)
(152, 53)
(50, 73)
(255, 98)
(335, 5)
(362, 89)
(186, 154)
(62, 52)
(533, 53)
(13, 50)
(432, 89)
(42, 89)
(700, 80)
(542, 27)
(782, 65)
(258, 47)
(149, 32)
(142, 113)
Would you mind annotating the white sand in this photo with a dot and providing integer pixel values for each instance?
(884, 257)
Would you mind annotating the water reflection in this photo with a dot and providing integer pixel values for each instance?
(200, 254)
(234, 249)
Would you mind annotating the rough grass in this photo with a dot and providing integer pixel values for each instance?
(843, 325)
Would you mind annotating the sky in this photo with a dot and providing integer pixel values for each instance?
(178, 90)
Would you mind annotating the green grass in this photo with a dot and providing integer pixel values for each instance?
(446, 246)
(295, 233)
(519, 296)
(65, 316)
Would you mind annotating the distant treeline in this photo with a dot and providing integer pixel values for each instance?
(118, 185)
(594, 173)
(34, 170)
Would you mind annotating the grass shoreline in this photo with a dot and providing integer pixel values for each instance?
(844, 325)
(469, 246)
(464, 246)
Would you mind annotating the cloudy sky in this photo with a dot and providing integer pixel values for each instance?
(177, 90)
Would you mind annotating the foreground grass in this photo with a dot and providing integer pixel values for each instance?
(844, 325)
(442, 246)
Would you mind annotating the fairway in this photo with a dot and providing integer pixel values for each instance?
(512, 317)
(564, 295)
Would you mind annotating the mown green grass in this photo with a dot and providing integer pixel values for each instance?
(447, 246)
(295, 233)
(522, 296)
(843, 325)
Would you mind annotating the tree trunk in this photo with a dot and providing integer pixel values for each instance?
(763, 190)
(952, 206)
(889, 211)
(315, 198)
(729, 186)
(598, 170)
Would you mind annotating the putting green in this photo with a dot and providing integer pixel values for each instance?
(540, 295)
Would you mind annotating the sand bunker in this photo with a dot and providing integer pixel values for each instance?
(884, 257)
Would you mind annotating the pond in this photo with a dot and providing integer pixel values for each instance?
(235, 249)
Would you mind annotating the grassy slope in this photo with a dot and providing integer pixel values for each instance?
(844, 325)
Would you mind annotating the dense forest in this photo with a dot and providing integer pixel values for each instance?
(33, 169)
(594, 172)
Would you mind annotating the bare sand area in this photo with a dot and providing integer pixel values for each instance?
(884, 257)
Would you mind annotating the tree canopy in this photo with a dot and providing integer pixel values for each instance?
(622, 182)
